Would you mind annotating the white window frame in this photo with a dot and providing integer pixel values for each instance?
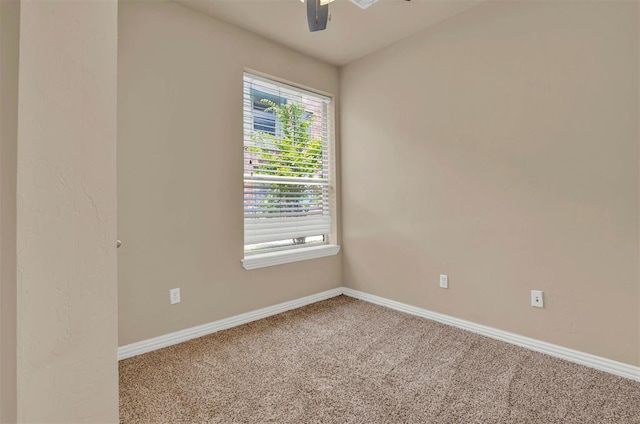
(295, 253)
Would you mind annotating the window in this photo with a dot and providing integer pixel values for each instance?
(288, 195)
(264, 119)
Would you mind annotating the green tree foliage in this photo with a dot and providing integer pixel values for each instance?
(294, 152)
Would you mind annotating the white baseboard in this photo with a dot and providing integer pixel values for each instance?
(170, 339)
(586, 359)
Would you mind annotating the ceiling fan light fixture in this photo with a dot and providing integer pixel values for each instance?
(363, 4)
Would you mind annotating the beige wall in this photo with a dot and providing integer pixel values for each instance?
(66, 229)
(9, 47)
(501, 147)
(180, 171)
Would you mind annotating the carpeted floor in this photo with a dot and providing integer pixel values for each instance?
(347, 361)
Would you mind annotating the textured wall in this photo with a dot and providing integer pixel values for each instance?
(180, 171)
(501, 147)
(67, 301)
(9, 46)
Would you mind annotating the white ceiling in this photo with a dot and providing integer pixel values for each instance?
(352, 32)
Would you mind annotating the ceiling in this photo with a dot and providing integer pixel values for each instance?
(352, 32)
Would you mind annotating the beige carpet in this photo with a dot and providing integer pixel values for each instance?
(347, 361)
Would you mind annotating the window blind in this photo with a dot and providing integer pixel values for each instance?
(287, 177)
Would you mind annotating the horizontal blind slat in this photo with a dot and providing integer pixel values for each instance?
(278, 87)
(274, 229)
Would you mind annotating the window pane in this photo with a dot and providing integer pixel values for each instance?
(286, 166)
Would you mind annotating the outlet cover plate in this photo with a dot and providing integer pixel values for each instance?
(537, 298)
(174, 296)
(444, 281)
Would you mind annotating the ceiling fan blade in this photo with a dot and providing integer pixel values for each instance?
(317, 15)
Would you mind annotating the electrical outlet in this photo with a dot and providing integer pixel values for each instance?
(537, 299)
(174, 296)
(444, 281)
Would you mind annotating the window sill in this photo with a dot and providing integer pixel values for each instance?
(263, 260)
